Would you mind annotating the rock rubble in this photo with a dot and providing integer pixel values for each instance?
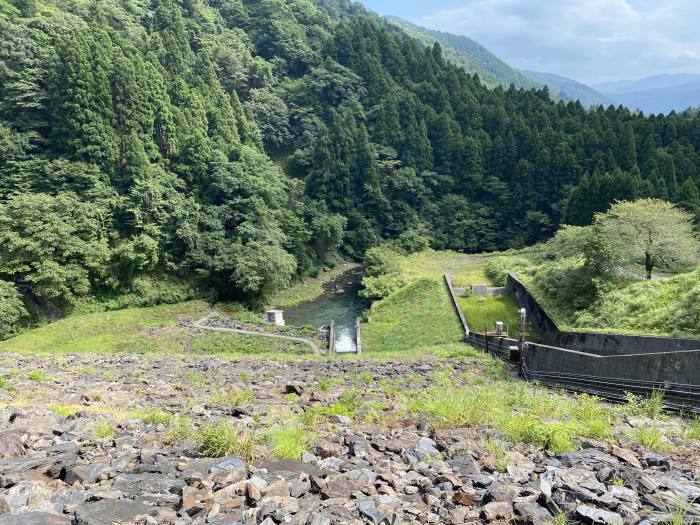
(53, 470)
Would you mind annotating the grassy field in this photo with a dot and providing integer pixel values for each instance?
(483, 312)
(150, 329)
(465, 269)
(241, 346)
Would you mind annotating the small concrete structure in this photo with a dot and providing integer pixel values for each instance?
(480, 290)
(483, 290)
(275, 317)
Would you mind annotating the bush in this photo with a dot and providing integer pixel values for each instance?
(381, 286)
(381, 260)
(411, 241)
(289, 442)
(498, 268)
(12, 309)
(224, 439)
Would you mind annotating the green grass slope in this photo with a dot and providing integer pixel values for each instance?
(416, 316)
(665, 307)
(135, 329)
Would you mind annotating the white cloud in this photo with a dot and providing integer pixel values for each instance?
(589, 40)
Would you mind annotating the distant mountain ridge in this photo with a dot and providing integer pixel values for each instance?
(493, 71)
(656, 94)
(573, 89)
(663, 81)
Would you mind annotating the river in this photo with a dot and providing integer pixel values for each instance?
(340, 303)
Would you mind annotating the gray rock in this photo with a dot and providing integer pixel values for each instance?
(530, 513)
(133, 485)
(498, 510)
(27, 496)
(87, 474)
(427, 446)
(341, 420)
(226, 465)
(295, 387)
(328, 449)
(589, 457)
(594, 515)
(623, 494)
(465, 466)
(369, 511)
(35, 518)
(11, 445)
(106, 512)
(318, 519)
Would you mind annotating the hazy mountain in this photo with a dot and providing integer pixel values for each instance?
(572, 89)
(656, 94)
(644, 84)
(493, 71)
(474, 57)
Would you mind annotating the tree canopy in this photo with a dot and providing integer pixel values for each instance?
(651, 230)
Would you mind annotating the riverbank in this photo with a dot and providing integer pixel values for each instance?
(310, 288)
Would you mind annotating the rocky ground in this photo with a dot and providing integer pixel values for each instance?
(102, 440)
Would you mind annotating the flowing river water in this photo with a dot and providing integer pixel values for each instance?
(341, 303)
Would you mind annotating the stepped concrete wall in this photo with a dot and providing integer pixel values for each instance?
(595, 343)
(608, 365)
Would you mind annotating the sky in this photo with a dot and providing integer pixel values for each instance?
(591, 41)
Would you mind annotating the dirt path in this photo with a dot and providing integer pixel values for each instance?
(202, 325)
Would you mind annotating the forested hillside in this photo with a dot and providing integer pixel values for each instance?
(573, 90)
(475, 58)
(234, 144)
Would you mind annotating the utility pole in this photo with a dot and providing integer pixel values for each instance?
(522, 336)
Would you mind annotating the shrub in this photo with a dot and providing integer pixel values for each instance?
(289, 442)
(103, 430)
(38, 375)
(346, 405)
(224, 439)
(411, 241)
(233, 397)
(180, 429)
(651, 407)
(154, 417)
(498, 268)
(381, 286)
(497, 449)
(381, 260)
(651, 438)
(64, 410)
(12, 309)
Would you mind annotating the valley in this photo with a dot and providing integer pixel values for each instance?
(173, 174)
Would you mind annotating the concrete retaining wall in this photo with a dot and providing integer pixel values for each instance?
(594, 343)
(602, 364)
